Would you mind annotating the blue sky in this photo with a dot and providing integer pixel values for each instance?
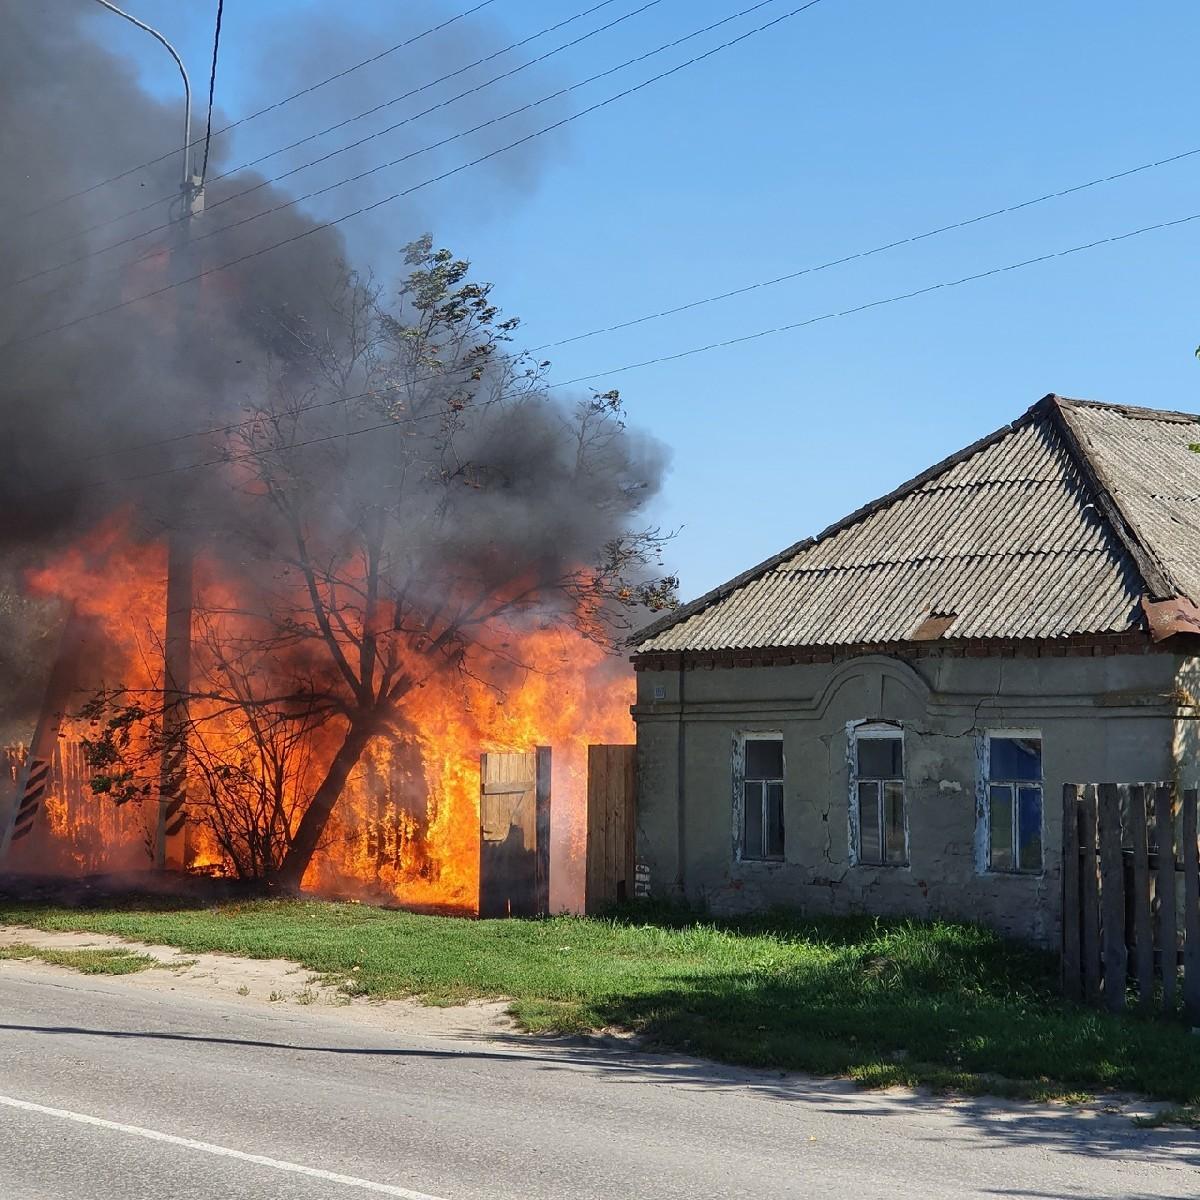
(850, 125)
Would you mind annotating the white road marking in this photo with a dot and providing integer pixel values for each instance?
(366, 1185)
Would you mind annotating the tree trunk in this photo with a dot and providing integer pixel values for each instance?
(316, 816)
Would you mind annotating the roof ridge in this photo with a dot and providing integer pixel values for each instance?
(1135, 412)
(1158, 581)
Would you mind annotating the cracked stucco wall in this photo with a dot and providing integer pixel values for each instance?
(1116, 718)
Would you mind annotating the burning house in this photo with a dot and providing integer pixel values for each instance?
(287, 549)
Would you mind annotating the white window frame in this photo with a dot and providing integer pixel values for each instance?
(739, 796)
(983, 803)
(864, 730)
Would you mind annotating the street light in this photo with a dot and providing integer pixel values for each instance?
(192, 186)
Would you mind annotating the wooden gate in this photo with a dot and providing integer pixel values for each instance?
(514, 834)
(1131, 897)
(611, 825)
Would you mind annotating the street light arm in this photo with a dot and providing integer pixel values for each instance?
(187, 87)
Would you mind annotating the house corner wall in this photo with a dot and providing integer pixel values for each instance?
(662, 808)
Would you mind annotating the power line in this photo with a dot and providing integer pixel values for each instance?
(212, 87)
(861, 254)
(693, 304)
(133, 212)
(366, 208)
(858, 308)
(291, 203)
(136, 237)
(832, 315)
(366, 62)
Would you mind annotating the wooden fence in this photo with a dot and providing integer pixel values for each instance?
(1131, 897)
(611, 804)
(514, 833)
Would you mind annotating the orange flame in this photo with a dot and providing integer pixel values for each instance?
(406, 827)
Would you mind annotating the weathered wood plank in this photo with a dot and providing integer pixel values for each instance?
(616, 849)
(630, 820)
(1143, 915)
(616, 845)
(610, 825)
(597, 798)
(1112, 899)
(1191, 910)
(543, 771)
(508, 841)
(1072, 976)
(1090, 892)
(609, 831)
(1165, 885)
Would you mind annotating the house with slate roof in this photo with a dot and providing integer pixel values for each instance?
(881, 718)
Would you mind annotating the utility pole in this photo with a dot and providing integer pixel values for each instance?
(170, 829)
(168, 818)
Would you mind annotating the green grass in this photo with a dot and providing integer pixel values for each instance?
(90, 962)
(952, 1006)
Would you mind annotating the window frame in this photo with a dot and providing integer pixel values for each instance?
(868, 730)
(739, 798)
(984, 785)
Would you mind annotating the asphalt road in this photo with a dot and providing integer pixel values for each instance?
(108, 1092)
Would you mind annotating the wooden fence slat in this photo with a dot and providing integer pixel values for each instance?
(616, 825)
(1112, 898)
(1168, 935)
(1191, 910)
(543, 799)
(597, 796)
(610, 825)
(1090, 909)
(630, 809)
(1072, 977)
(1143, 916)
(610, 829)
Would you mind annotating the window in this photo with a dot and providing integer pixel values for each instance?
(1014, 802)
(878, 826)
(762, 799)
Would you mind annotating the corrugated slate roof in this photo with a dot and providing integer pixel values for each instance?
(1055, 525)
